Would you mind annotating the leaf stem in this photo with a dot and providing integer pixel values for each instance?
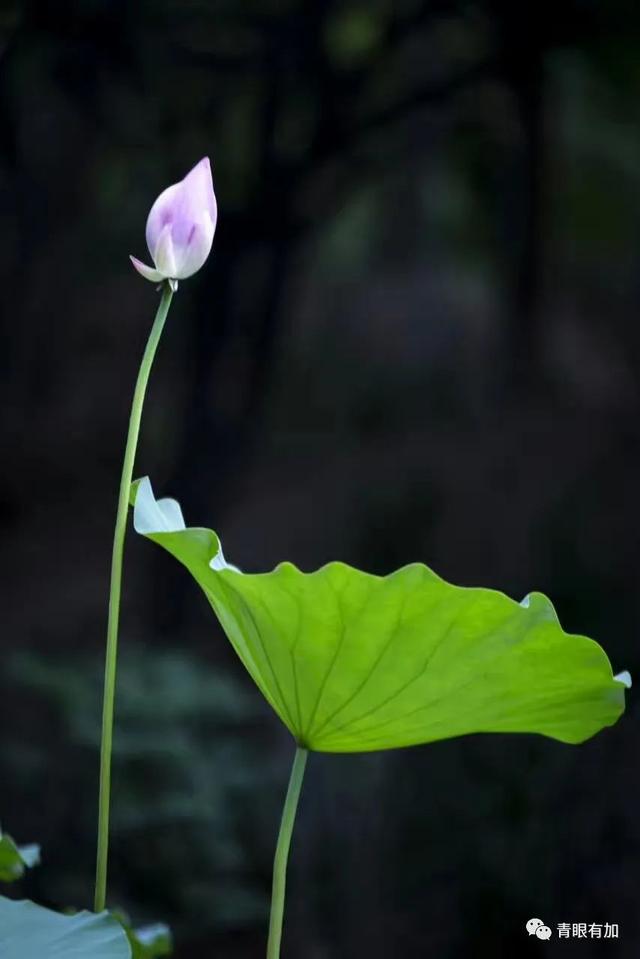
(106, 743)
(282, 853)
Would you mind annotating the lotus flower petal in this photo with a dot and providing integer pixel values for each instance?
(148, 272)
(181, 226)
(164, 256)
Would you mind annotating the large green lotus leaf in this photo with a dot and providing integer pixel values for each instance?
(15, 860)
(28, 931)
(352, 662)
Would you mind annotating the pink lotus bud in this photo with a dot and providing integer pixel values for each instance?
(180, 227)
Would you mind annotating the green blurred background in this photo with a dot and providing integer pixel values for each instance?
(417, 338)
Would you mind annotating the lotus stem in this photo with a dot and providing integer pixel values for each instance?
(106, 743)
(282, 853)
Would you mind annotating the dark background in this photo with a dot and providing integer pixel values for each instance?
(417, 338)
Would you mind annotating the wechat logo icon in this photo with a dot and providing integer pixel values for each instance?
(536, 927)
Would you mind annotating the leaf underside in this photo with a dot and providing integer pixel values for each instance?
(353, 662)
(28, 931)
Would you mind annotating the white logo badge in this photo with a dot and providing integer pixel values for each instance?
(536, 927)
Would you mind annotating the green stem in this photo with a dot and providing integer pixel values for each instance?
(114, 597)
(282, 853)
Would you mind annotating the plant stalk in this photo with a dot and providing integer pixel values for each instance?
(282, 853)
(106, 744)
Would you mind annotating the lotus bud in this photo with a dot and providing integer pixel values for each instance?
(180, 228)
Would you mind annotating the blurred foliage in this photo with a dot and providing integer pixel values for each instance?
(15, 860)
(148, 942)
(188, 834)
